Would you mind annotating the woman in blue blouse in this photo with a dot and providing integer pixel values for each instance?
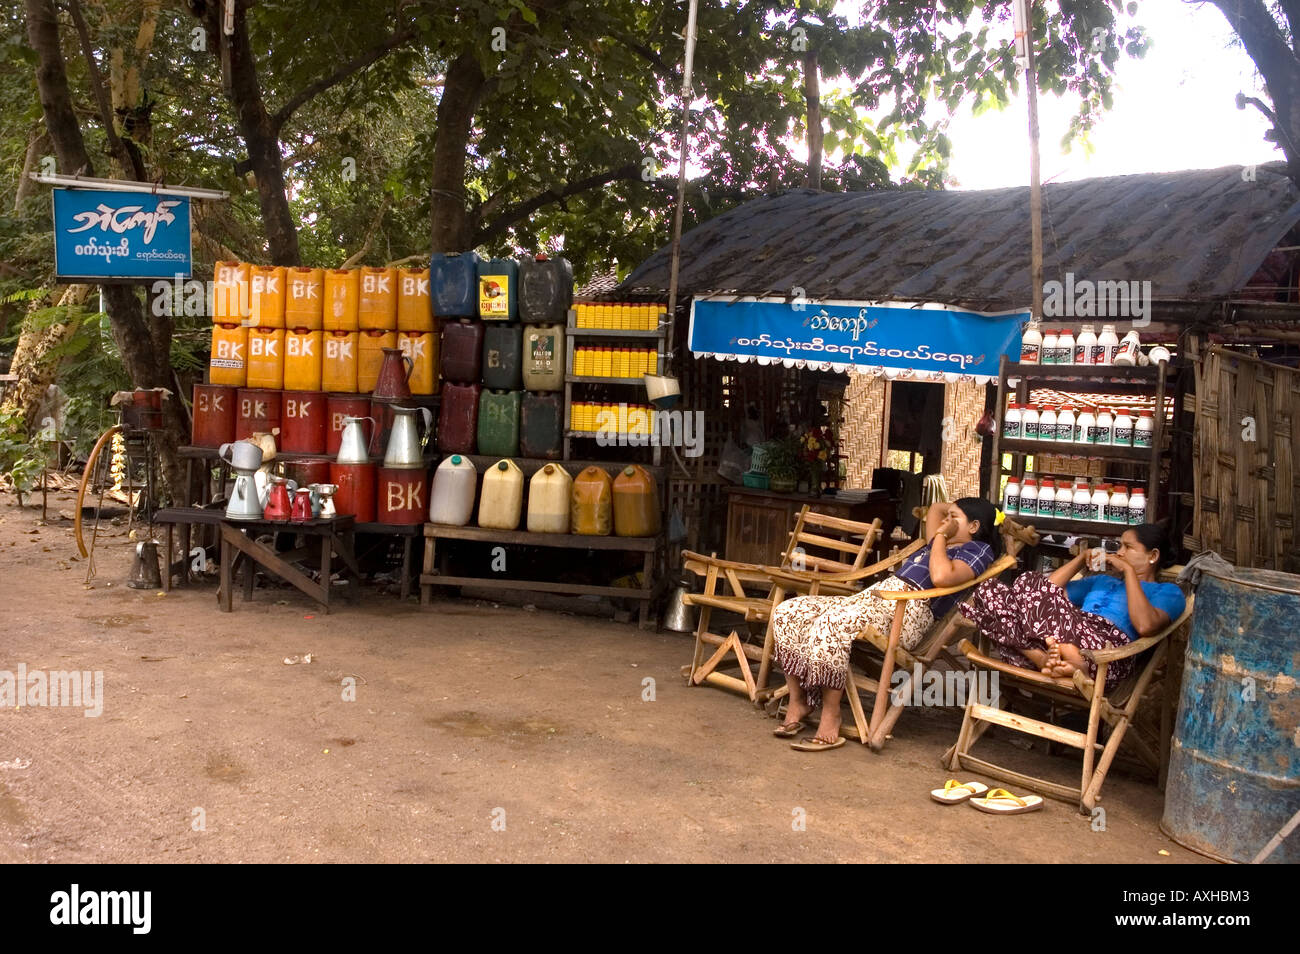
(1043, 622)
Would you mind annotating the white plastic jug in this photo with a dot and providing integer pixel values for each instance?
(502, 502)
(548, 500)
(451, 499)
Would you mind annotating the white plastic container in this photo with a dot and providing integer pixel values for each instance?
(502, 502)
(1081, 508)
(1144, 430)
(1029, 498)
(1049, 347)
(1065, 345)
(1029, 421)
(451, 498)
(1159, 355)
(1117, 508)
(1064, 500)
(1127, 354)
(1031, 344)
(1137, 507)
(1108, 342)
(1012, 421)
(1085, 344)
(1047, 425)
(1065, 425)
(1123, 428)
(1011, 497)
(549, 498)
(1105, 427)
(1086, 427)
(1100, 499)
(1046, 499)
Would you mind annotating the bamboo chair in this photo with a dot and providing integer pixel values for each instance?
(1117, 709)
(753, 593)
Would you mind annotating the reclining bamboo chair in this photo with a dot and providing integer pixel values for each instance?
(819, 545)
(1116, 709)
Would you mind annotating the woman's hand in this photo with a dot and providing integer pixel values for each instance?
(948, 527)
(1115, 563)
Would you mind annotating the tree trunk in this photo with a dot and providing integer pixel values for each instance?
(36, 149)
(812, 94)
(462, 91)
(32, 364)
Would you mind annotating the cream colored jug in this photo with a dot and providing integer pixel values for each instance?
(549, 500)
(451, 498)
(502, 502)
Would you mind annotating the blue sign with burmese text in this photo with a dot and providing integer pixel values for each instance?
(100, 235)
(926, 341)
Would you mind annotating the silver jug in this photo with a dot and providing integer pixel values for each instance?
(354, 445)
(405, 448)
(241, 455)
(678, 617)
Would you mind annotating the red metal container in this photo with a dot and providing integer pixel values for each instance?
(257, 410)
(356, 493)
(302, 426)
(304, 472)
(214, 415)
(458, 418)
(403, 498)
(462, 351)
(339, 406)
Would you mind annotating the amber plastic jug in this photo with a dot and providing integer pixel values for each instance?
(636, 503)
(591, 503)
(503, 358)
(304, 303)
(451, 499)
(414, 313)
(339, 362)
(545, 289)
(453, 284)
(303, 350)
(228, 364)
(550, 500)
(377, 306)
(502, 502)
(266, 296)
(342, 290)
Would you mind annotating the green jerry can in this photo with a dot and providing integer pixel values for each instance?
(498, 423)
(541, 426)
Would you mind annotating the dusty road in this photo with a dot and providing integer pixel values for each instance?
(476, 734)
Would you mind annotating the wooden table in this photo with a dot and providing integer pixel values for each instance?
(759, 521)
(431, 577)
(409, 534)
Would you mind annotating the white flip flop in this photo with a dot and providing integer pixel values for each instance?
(1001, 802)
(954, 791)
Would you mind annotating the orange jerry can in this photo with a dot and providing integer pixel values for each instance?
(591, 510)
(229, 293)
(377, 307)
(414, 308)
(302, 359)
(422, 349)
(370, 355)
(229, 362)
(266, 358)
(342, 289)
(266, 296)
(636, 503)
(304, 303)
(339, 362)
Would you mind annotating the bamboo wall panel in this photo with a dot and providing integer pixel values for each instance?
(963, 404)
(864, 401)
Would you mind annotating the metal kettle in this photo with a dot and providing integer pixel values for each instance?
(405, 447)
(353, 445)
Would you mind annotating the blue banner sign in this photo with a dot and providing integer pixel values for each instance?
(100, 236)
(919, 342)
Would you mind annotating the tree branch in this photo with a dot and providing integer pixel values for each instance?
(360, 253)
(353, 66)
(129, 158)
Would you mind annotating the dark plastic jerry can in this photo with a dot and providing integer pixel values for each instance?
(545, 290)
(462, 351)
(498, 289)
(541, 426)
(458, 418)
(498, 423)
(453, 284)
(503, 358)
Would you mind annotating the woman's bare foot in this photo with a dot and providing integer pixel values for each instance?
(828, 729)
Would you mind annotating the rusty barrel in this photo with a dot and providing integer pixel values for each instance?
(339, 406)
(403, 497)
(304, 472)
(214, 415)
(356, 493)
(256, 410)
(1234, 765)
(303, 423)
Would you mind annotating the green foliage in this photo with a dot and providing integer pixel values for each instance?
(21, 461)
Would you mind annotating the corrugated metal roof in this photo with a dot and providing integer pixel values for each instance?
(1195, 235)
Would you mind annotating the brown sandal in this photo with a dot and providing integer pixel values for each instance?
(789, 730)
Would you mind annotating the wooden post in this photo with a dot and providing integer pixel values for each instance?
(1035, 183)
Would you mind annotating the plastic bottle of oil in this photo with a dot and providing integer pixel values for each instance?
(502, 502)
(550, 500)
(636, 503)
(591, 508)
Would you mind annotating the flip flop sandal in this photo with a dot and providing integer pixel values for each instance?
(789, 730)
(1001, 802)
(954, 791)
(817, 745)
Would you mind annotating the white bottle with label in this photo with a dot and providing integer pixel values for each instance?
(1105, 427)
(1029, 497)
(1126, 354)
(1108, 343)
(1065, 425)
(1082, 508)
(1011, 497)
(1144, 430)
(1137, 507)
(1100, 500)
(1047, 424)
(1064, 500)
(1046, 499)
(1117, 508)
(1084, 345)
(1029, 421)
(1011, 422)
(1050, 340)
(1123, 428)
(1031, 344)
(1086, 427)
(1065, 345)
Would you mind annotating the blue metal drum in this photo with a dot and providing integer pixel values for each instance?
(1234, 767)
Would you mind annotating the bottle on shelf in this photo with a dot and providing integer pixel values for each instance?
(1065, 425)
(1029, 421)
(1082, 504)
(1105, 427)
(1047, 424)
(1108, 343)
(1011, 496)
(1065, 346)
(1117, 508)
(1123, 428)
(1126, 354)
(1098, 503)
(1050, 341)
(1046, 498)
(1028, 503)
(1137, 507)
(1031, 344)
(1064, 508)
(1011, 422)
(1084, 345)
(1144, 429)
(1086, 427)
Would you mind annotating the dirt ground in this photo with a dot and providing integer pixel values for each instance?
(478, 733)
